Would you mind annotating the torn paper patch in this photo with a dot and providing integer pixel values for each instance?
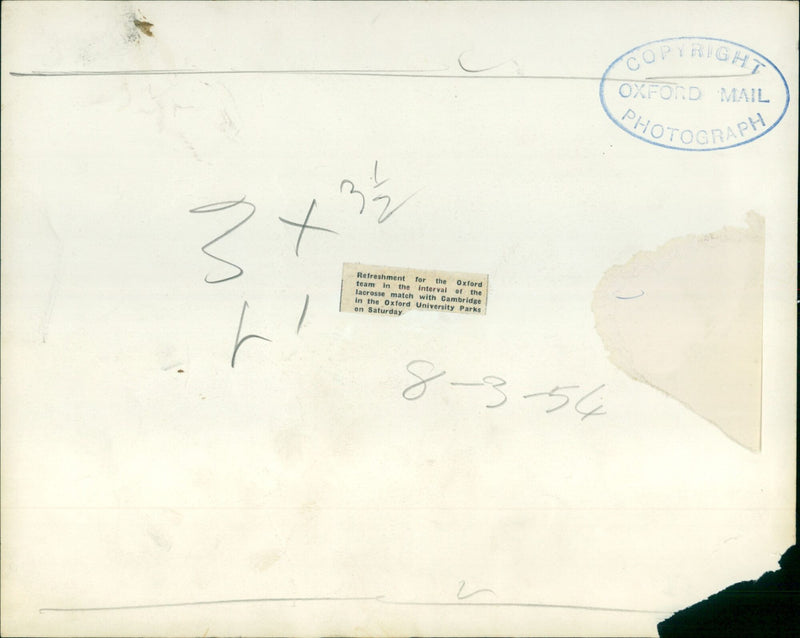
(687, 319)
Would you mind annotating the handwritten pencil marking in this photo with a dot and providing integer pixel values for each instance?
(304, 226)
(302, 315)
(214, 208)
(238, 343)
(632, 296)
(462, 596)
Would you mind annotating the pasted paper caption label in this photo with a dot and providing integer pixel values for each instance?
(384, 290)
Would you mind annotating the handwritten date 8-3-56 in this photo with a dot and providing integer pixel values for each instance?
(494, 394)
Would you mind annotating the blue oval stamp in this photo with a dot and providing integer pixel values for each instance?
(694, 93)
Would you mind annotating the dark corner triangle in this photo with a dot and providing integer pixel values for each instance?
(768, 607)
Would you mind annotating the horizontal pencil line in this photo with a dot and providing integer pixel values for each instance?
(655, 78)
(379, 599)
(195, 603)
(383, 508)
(434, 74)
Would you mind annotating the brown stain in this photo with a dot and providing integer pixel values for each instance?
(144, 26)
(180, 370)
